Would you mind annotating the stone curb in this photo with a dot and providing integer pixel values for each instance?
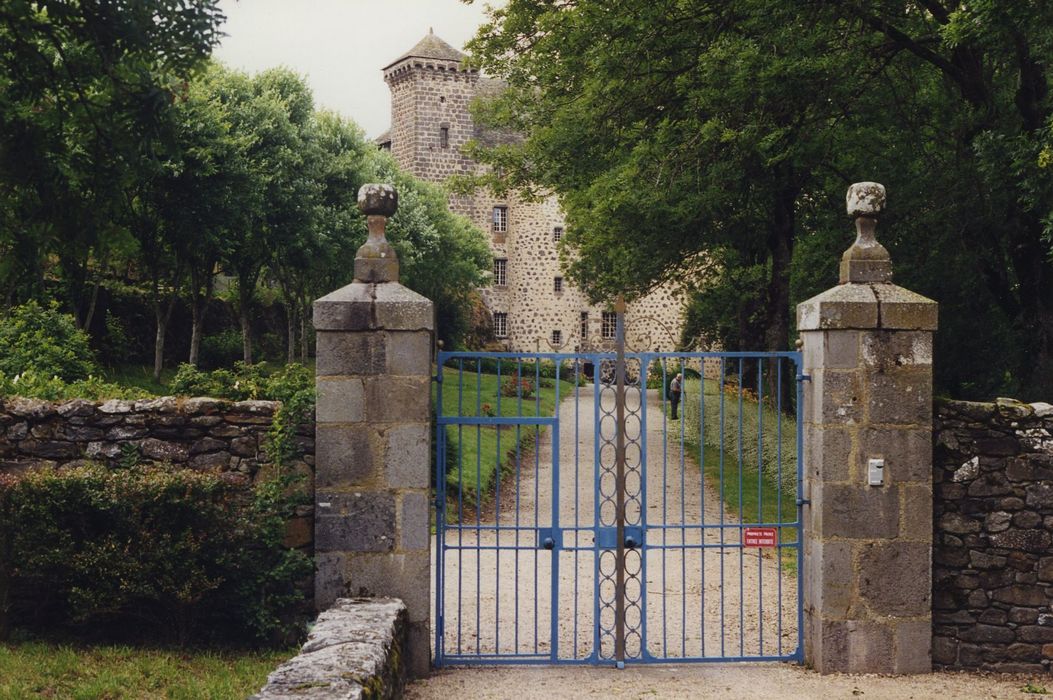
(354, 651)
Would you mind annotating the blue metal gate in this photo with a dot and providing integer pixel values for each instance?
(578, 522)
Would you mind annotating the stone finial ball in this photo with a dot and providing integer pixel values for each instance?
(378, 199)
(864, 199)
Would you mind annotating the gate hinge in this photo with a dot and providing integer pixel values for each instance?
(804, 502)
(806, 377)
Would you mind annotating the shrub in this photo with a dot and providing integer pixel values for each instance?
(117, 346)
(221, 349)
(40, 339)
(34, 385)
(171, 553)
(515, 388)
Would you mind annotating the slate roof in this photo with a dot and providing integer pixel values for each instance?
(432, 47)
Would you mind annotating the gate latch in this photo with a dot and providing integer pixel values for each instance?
(607, 537)
(549, 538)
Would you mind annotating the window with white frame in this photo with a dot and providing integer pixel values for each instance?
(557, 284)
(557, 234)
(500, 271)
(501, 324)
(609, 328)
(500, 219)
(557, 338)
(584, 325)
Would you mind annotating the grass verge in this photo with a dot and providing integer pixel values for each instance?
(476, 452)
(749, 493)
(50, 670)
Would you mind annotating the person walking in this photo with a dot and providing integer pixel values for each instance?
(675, 387)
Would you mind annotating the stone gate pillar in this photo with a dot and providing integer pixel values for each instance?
(868, 462)
(373, 454)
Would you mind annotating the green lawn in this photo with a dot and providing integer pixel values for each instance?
(140, 377)
(477, 451)
(48, 670)
(758, 499)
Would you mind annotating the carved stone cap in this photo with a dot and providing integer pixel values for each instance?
(376, 260)
(865, 199)
(378, 199)
(866, 261)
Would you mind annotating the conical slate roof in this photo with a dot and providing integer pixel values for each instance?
(432, 47)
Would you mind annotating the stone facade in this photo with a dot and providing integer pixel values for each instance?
(993, 562)
(868, 538)
(431, 91)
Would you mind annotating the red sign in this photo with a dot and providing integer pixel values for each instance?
(760, 537)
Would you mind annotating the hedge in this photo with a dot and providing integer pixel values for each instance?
(149, 552)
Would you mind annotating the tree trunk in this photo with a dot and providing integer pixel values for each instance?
(159, 342)
(93, 305)
(290, 330)
(198, 311)
(244, 301)
(780, 250)
(304, 344)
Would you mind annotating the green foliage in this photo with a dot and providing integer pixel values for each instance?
(730, 139)
(86, 89)
(293, 385)
(722, 410)
(221, 349)
(174, 552)
(42, 340)
(33, 385)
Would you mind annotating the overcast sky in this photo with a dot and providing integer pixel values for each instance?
(341, 45)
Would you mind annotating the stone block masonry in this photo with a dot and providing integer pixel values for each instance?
(200, 433)
(993, 536)
(868, 535)
(373, 378)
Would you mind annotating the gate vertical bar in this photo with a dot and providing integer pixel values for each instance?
(619, 456)
(440, 517)
(555, 520)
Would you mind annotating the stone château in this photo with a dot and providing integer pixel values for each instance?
(533, 306)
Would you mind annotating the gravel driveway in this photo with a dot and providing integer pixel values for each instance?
(500, 600)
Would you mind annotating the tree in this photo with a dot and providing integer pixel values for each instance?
(84, 87)
(988, 81)
(682, 133)
(674, 133)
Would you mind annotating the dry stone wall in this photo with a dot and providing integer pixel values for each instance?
(205, 434)
(993, 530)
